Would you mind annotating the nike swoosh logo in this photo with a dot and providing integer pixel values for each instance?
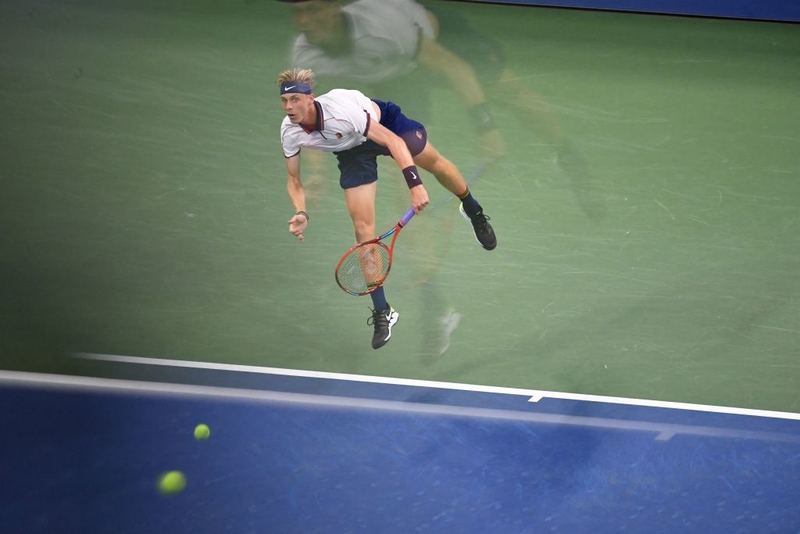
(290, 87)
(414, 176)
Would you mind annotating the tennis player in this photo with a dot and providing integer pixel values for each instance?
(358, 130)
(381, 44)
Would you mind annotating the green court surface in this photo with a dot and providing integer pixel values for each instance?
(143, 206)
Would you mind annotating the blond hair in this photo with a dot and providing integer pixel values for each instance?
(305, 76)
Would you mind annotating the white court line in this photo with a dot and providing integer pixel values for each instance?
(662, 431)
(533, 395)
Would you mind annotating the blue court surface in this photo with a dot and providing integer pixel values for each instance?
(303, 452)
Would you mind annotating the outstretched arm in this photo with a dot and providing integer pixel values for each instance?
(399, 151)
(299, 222)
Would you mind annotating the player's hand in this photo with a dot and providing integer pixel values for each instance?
(419, 198)
(297, 226)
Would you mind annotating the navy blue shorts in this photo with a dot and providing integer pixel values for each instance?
(359, 165)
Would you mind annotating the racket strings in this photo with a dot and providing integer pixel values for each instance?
(364, 268)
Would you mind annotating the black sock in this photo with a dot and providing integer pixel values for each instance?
(471, 206)
(379, 299)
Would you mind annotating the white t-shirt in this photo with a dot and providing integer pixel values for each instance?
(343, 119)
(385, 38)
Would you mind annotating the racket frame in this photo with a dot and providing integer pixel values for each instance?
(394, 232)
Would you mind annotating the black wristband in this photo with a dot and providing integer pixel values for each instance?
(304, 214)
(411, 174)
(482, 117)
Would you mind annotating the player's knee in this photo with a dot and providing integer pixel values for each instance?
(364, 229)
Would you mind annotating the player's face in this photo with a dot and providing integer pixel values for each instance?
(315, 19)
(299, 108)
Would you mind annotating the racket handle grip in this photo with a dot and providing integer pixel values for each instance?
(407, 217)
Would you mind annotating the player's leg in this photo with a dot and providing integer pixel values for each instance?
(360, 203)
(426, 156)
(443, 169)
(447, 174)
(359, 175)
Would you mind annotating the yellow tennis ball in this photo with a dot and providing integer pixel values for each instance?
(202, 432)
(171, 482)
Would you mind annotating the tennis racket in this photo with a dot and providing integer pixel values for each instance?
(364, 267)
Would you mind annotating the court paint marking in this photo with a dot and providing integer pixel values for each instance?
(662, 431)
(533, 395)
